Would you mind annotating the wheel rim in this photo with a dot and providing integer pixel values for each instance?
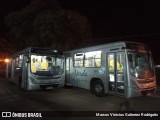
(98, 88)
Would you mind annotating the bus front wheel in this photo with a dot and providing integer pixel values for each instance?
(98, 88)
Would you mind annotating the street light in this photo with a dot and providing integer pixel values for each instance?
(6, 60)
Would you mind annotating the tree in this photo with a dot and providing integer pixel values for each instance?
(4, 48)
(43, 23)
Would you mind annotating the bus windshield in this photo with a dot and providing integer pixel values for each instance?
(44, 65)
(140, 64)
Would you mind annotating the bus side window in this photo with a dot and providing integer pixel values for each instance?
(16, 62)
(78, 59)
(111, 62)
(20, 60)
(93, 59)
(120, 63)
(98, 62)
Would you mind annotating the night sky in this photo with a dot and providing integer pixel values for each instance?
(110, 21)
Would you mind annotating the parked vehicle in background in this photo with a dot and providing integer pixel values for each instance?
(35, 68)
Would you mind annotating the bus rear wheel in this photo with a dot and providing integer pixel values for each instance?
(98, 88)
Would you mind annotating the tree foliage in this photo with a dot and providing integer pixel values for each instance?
(43, 23)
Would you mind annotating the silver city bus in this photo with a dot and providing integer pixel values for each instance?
(120, 68)
(35, 68)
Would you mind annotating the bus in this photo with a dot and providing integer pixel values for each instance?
(36, 68)
(120, 68)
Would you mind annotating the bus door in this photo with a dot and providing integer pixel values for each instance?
(116, 79)
(68, 70)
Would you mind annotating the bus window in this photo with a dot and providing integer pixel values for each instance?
(120, 63)
(38, 63)
(45, 64)
(16, 62)
(19, 61)
(78, 59)
(140, 63)
(93, 59)
(111, 62)
(59, 62)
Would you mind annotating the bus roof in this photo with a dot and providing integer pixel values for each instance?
(97, 47)
(38, 50)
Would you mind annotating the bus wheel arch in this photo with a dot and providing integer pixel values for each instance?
(97, 87)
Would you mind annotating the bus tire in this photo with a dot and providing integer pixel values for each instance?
(98, 88)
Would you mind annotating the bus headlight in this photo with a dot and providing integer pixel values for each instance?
(6, 60)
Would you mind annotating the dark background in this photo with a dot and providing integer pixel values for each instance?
(109, 20)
